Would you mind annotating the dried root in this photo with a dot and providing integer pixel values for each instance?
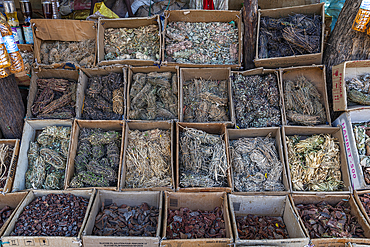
(6, 153)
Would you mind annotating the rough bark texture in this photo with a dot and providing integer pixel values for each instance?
(345, 44)
(12, 110)
(250, 32)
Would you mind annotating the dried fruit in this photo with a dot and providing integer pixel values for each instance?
(261, 227)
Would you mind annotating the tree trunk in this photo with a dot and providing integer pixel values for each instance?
(250, 32)
(11, 109)
(345, 44)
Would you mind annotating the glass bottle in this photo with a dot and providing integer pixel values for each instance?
(11, 14)
(26, 9)
(46, 9)
(55, 9)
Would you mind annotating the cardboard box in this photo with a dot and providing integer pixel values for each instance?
(146, 70)
(132, 199)
(353, 159)
(142, 126)
(211, 128)
(116, 125)
(60, 30)
(53, 73)
(24, 78)
(127, 23)
(208, 74)
(235, 134)
(297, 60)
(83, 78)
(341, 73)
(204, 16)
(316, 75)
(276, 206)
(332, 200)
(260, 71)
(310, 131)
(46, 240)
(31, 128)
(14, 143)
(356, 195)
(13, 200)
(197, 201)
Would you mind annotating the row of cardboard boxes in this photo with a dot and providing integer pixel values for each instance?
(232, 206)
(314, 73)
(70, 30)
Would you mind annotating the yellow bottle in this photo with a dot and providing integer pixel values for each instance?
(363, 17)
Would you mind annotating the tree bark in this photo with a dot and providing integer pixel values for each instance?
(250, 32)
(345, 44)
(11, 109)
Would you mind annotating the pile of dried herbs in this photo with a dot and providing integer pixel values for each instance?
(97, 160)
(203, 161)
(257, 101)
(362, 137)
(27, 57)
(256, 165)
(205, 101)
(56, 98)
(132, 43)
(303, 102)
(104, 98)
(358, 89)
(153, 96)
(81, 53)
(261, 227)
(6, 153)
(47, 159)
(148, 159)
(296, 34)
(314, 163)
(202, 42)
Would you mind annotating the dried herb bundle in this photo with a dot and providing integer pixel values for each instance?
(202, 42)
(148, 159)
(104, 98)
(261, 227)
(97, 160)
(302, 102)
(187, 224)
(153, 96)
(132, 43)
(256, 100)
(289, 36)
(47, 159)
(56, 98)
(323, 220)
(206, 101)
(124, 220)
(314, 163)
(362, 137)
(256, 165)
(358, 89)
(203, 161)
(81, 53)
(6, 153)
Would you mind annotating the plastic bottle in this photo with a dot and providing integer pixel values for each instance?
(17, 64)
(26, 9)
(4, 56)
(4, 72)
(362, 17)
(11, 14)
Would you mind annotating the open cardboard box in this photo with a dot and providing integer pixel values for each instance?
(204, 16)
(340, 74)
(188, 74)
(332, 200)
(116, 125)
(24, 78)
(46, 240)
(84, 76)
(197, 201)
(147, 70)
(316, 75)
(305, 132)
(235, 134)
(126, 23)
(259, 71)
(13, 200)
(60, 30)
(31, 128)
(297, 60)
(132, 199)
(14, 143)
(276, 206)
(143, 126)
